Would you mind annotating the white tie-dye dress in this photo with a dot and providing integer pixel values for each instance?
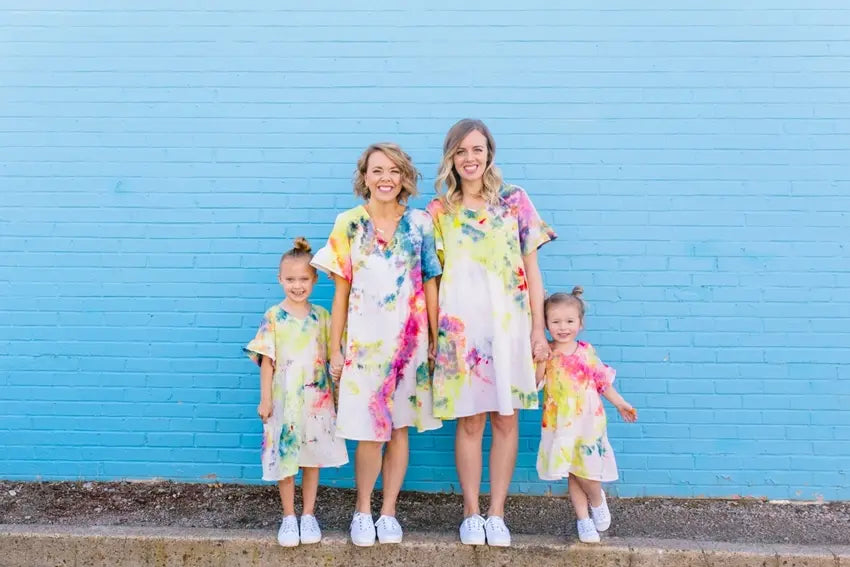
(385, 382)
(301, 431)
(484, 361)
(574, 437)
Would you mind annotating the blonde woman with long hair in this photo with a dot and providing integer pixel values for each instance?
(491, 326)
(383, 261)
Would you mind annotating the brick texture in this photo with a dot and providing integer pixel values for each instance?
(693, 157)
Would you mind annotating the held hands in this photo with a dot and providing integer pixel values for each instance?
(627, 412)
(336, 363)
(432, 354)
(540, 346)
(264, 410)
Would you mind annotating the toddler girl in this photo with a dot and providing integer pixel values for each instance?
(574, 443)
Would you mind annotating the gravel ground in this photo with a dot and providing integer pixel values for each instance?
(251, 506)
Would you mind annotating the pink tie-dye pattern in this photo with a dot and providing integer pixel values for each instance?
(380, 406)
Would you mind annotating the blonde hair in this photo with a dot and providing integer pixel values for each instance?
(561, 298)
(448, 182)
(409, 174)
(301, 250)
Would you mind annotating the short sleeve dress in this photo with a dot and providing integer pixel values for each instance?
(573, 438)
(484, 361)
(385, 382)
(301, 430)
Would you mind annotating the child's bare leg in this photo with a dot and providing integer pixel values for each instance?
(309, 488)
(593, 490)
(578, 497)
(286, 487)
(367, 467)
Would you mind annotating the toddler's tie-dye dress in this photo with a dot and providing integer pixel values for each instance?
(574, 438)
(301, 429)
(385, 382)
(484, 361)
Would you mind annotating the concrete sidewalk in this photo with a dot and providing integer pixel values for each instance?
(113, 546)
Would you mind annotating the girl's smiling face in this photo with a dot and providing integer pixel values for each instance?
(564, 322)
(470, 158)
(382, 178)
(297, 278)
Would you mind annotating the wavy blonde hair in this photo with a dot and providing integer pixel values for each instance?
(448, 182)
(409, 173)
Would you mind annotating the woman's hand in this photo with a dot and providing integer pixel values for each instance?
(336, 363)
(264, 410)
(540, 350)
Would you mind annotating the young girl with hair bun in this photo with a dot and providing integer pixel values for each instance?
(296, 400)
(574, 442)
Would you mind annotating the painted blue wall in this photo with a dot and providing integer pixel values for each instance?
(692, 156)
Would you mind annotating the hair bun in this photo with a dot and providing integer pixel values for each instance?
(577, 291)
(301, 245)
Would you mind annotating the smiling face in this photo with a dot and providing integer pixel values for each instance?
(383, 178)
(297, 278)
(470, 157)
(564, 322)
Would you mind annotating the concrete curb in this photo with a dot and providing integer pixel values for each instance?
(117, 546)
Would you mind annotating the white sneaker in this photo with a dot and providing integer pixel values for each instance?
(389, 530)
(362, 530)
(310, 530)
(472, 530)
(601, 515)
(287, 535)
(498, 534)
(587, 531)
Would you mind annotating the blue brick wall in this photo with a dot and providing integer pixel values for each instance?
(693, 157)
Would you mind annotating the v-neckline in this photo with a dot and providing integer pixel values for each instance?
(382, 241)
(296, 317)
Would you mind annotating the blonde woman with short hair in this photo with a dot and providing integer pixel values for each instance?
(383, 261)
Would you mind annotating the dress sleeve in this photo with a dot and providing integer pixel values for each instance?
(602, 374)
(434, 209)
(533, 231)
(263, 344)
(335, 256)
(431, 265)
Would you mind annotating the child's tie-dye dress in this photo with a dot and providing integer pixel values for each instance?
(301, 430)
(574, 438)
(484, 360)
(385, 383)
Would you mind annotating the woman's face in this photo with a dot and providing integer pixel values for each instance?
(470, 159)
(382, 178)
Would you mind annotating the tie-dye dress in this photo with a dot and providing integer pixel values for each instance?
(385, 382)
(574, 438)
(484, 360)
(301, 430)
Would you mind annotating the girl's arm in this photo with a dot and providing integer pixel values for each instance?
(539, 345)
(264, 410)
(625, 408)
(432, 308)
(339, 317)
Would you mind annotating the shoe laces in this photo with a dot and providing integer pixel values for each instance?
(388, 523)
(309, 523)
(290, 525)
(586, 526)
(497, 524)
(474, 522)
(360, 519)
